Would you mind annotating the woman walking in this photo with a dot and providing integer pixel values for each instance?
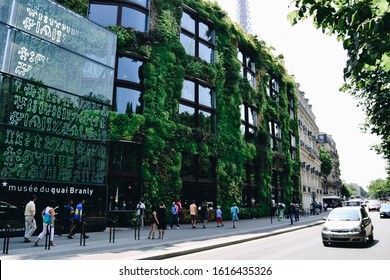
(48, 224)
(153, 222)
(162, 225)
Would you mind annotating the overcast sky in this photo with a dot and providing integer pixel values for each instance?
(317, 62)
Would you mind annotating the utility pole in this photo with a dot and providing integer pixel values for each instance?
(243, 15)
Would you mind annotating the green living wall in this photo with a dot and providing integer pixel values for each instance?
(165, 139)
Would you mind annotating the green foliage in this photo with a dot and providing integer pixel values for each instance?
(363, 27)
(326, 162)
(78, 6)
(121, 126)
(166, 140)
(379, 188)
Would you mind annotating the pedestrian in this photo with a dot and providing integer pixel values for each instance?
(296, 212)
(204, 210)
(281, 207)
(140, 213)
(78, 219)
(29, 219)
(162, 225)
(180, 211)
(234, 211)
(48, 224)
(153, 221)
(219, 217)
(67, 220)
(174, 216)
(193, 213)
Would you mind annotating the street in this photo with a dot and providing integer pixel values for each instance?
(304, 244)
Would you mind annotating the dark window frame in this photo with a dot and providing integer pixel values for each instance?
(196, 36)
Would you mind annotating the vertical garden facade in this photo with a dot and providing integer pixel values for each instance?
(56, 79)
(219, 111)
(198, 110)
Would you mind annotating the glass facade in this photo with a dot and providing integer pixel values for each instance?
(56, 81)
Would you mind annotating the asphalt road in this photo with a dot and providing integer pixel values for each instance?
(304, 244)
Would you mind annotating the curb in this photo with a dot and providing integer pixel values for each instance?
(228, 243)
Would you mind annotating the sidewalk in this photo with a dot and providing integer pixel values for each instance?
(176, 241)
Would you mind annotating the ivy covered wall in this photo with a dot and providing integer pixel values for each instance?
(164, 71)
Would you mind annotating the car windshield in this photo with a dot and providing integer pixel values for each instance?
(344, 216)
(385, 206)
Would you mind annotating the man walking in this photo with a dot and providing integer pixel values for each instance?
(29, 220)
(174, 215)
(77, 219)
(140, 213)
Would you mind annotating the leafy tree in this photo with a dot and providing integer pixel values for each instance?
(364, 28)
(379, 188)
(345, 191)
(326, 162)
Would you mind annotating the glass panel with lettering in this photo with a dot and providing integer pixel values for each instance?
(128, 69)
(128, 101)
(34, 59)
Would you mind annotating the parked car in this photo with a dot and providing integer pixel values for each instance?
(352, 202)
(385, 211)
(374, 205)
(347, 225)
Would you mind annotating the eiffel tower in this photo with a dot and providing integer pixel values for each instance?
(243, 15)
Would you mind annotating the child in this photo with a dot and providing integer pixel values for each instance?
(219, 217)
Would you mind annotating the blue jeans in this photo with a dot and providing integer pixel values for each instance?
(174, 220)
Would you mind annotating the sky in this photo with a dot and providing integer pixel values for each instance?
(317, 61)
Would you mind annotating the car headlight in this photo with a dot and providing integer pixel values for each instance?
(325, 229)
(356, 229)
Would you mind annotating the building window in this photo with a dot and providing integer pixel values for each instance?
(273, 88)
(291, 105)
(128, 69)
(293, 146)
(197, 106)
(129, 14)
(276, 136)
(128, 101)
(249, 123)
(248, 68)
(197, 36)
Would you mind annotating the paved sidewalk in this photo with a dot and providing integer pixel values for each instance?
(176, 241)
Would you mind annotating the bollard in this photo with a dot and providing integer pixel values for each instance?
(137, 229)
(6, 239)
(112, 230)
(82, 234)
(47, 236)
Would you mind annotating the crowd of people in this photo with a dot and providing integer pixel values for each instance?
(71, 220)
(157, 218)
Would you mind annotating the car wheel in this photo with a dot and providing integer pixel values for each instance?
(371, 236)
(364, 241)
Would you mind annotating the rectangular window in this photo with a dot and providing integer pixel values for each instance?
(128, 101)
(197, 37)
